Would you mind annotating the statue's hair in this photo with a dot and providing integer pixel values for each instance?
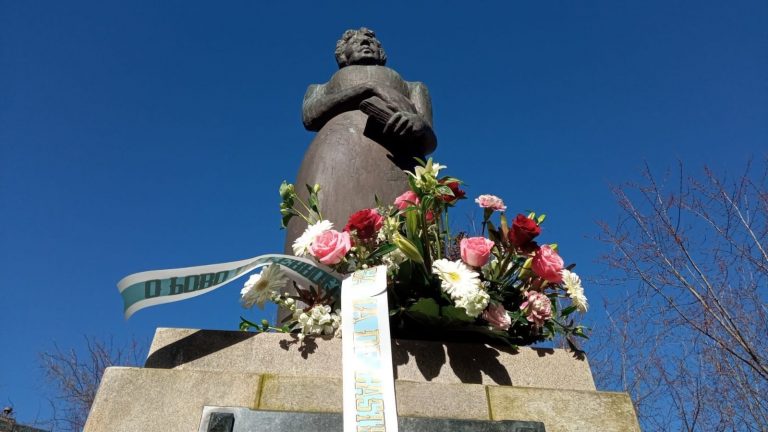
(341, 59)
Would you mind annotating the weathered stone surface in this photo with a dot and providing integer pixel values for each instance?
(135, 399)
(305, 393)
(321, 394)
(417, 361)
(565, 410)
(267, 372)
(459, 401)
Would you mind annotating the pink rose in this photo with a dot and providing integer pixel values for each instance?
(491, 202)
(537, 307)
(548, 265)
(497, 317)
(330, 247)
(476, 251)
(408, 198)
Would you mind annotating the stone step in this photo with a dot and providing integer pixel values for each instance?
(416, 361)
(173, 400)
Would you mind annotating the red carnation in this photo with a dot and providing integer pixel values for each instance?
(457, 193)
(366, 223)
(524, 229)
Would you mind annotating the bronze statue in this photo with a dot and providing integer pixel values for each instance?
(371, 125)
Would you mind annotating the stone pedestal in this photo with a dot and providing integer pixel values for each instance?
(187, 370)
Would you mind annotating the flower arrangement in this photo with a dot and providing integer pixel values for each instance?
(500, 286)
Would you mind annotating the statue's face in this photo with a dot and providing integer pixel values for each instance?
(363, 49)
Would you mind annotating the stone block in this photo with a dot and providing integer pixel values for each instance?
(456, 401)
(321, 394)
(294, 393)
(565, 410)
(416, 361)
(135, 399)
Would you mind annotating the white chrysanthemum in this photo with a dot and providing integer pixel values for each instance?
(318, 321)
(302, 244)
(572, 284)
(474, 302)
(263, 286)
(456, 278)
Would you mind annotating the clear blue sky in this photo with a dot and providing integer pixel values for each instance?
(150, 135)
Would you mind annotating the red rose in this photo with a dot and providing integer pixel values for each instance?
(523, 230)
(457, 193)
(366, 222)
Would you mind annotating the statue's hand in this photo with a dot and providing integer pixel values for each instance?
(405, 124)
(394, 100)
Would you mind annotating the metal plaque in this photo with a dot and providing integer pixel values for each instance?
(247, 420)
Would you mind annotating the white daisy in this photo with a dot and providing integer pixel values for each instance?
(302, 244)
(462, 284)
(456, 278)
(572, 284)
(263, 286)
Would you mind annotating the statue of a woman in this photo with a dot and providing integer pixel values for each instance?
(354, 155)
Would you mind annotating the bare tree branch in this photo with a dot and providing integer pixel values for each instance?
(75, 377)
(690, 342)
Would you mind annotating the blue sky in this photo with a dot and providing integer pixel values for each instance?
(142, 136)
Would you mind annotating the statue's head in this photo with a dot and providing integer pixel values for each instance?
(359, 47)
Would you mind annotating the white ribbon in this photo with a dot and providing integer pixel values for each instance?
(369, 384)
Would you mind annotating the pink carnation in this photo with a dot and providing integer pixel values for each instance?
(497, 317)
(548, 265)
(491, 202)
(476, 251)
(330, 247)
(537, 307)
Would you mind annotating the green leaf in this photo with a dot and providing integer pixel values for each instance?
(285, 219)
(541, 218)
(504, 226)
(246, 325)
(382, 250)
(579, 331)
(493, 233)
(569, 310)
(313, 202)
(444, 190)
(426, 306)
(412, 183)
(412, 224)
(456, 314)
